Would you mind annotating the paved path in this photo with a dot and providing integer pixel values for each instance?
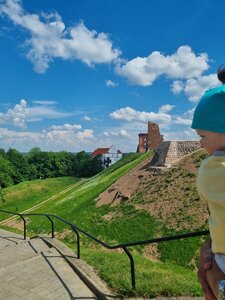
(30, 270)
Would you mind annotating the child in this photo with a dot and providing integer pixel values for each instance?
(209, 122)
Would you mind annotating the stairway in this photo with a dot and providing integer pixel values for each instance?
(31, 270)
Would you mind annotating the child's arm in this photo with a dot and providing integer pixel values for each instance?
(214, 275)
(206, 262)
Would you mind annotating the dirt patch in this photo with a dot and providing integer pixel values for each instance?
(125, 186)
(17, 223)
(111, 216)
(63, 234)
(168, 194)
(151, 252)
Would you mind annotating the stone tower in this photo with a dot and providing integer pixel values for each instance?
(143, 143)
(149, 141)
(154, 136)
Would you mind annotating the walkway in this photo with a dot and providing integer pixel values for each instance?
(30, 270)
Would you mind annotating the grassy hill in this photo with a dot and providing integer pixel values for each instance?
(164, 203)
(27, 194)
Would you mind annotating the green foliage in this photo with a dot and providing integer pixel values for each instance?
(39, 164)
(21, 168)
(6, 172)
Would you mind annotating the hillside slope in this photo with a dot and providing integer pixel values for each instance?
(167, 194)
(131, 202)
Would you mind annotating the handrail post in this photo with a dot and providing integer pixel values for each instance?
(131, 267)
(78, 241)
(24, 227)
(53, 230)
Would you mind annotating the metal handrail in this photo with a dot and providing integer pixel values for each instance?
(111, 247)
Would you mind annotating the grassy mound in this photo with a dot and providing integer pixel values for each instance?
(27, 194)
(165, 203)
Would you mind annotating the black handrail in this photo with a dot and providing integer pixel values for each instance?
(111, 247)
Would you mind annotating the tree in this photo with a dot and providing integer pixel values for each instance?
(6, 172)
(86, 166)
(20, 165)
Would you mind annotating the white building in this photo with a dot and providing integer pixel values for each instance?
(109, 155)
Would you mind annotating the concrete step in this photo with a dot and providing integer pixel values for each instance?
(9, 238)
(14, 253)
(32, 270)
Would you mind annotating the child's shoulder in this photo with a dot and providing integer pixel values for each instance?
(216, 160)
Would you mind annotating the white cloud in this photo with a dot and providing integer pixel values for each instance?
(129, 114)
(86, 134)
(51, 39)
(16, 116)
(105, 133)
(116, 132)
(110, 83)
(182, 121)
(124, 133)
(21, 113)
(66, 127)
(87, 119)
(177, 86)
(180, 135)
(44, 102)
(165, 108)
(63, 137)
(185, 118)
(194, 88)
(182, 64)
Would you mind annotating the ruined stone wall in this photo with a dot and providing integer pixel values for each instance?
(170, 151)
(154, 136)
(151, 140)
(142, 145)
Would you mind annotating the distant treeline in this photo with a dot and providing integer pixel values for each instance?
(16, 167)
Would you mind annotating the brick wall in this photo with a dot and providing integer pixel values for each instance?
(154, 136)
(142, 145)
(151, 140)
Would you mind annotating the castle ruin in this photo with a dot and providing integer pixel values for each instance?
(151, 140)
(166, 152)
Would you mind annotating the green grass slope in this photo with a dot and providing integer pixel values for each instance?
(164, 204)
(27, 194)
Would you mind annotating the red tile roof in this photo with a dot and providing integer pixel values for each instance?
(100, 151)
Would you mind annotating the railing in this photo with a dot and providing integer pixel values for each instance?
(111, 247)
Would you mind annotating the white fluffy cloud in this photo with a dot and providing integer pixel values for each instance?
(66, 127)
(182, 64)
(21, 113)
(67, 134)
(129, 114)
(62, 136)
(195, 87)
(110, 83)
(89, 119)
(49, 38)
(165, 108)
(16, 116)
(119, 132)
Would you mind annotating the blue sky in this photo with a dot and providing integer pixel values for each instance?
(80, 74)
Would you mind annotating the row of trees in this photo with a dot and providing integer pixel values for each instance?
(16, 167)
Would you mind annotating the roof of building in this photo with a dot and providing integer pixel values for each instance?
(100, 151)
(103, 151)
